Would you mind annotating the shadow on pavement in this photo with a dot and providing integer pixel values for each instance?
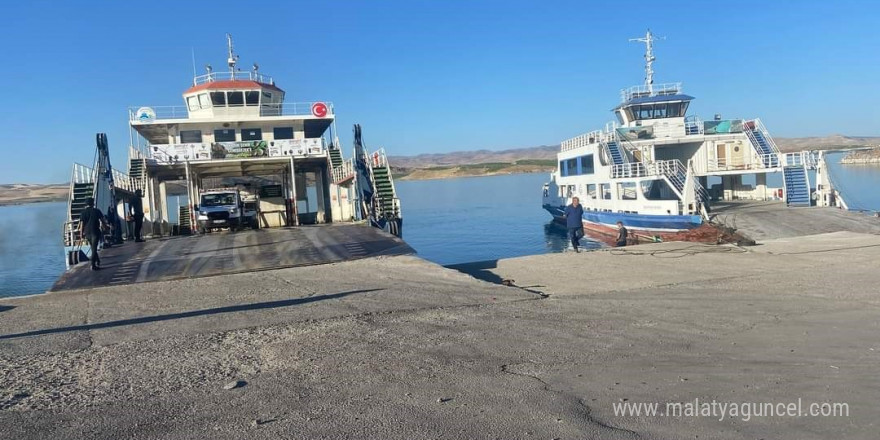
(190, 314)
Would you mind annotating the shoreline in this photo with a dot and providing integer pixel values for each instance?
(407, 178)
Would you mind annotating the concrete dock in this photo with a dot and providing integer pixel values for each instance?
(771, 220)
(395, 347)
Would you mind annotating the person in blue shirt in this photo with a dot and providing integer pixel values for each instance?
(574, 214)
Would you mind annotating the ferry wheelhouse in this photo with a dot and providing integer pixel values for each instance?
(650, 168)
(237, 131)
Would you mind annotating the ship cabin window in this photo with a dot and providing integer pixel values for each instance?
(190, 136)
(235, 99)
(251, 134)
(658, 110)
(252, 97)
(203, 100)
(587, 166)
(626, 190)
(605, 189)
(226, 135)
(572, 164)
(192, 102)
(591, 190)
(218, 99)
(283, 133)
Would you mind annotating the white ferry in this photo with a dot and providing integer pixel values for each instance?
(278, 160)
(650, 168)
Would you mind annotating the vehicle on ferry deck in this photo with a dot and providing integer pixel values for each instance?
(237, 128)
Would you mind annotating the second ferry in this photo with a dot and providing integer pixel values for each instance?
(649, 169)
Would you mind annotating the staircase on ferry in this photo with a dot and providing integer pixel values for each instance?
(384, 189)
(618, 157)
(797, 186)
(335, 157)
(762, 142)
(184, 220)
(81, 191)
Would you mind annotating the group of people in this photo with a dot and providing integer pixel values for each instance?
(574, 214)
(93, 223)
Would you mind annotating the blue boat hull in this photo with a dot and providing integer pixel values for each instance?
(640, 222)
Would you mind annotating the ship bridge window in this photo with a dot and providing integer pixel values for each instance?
(283, 133)
(235, 99)
(226, 135)
(190, 136)
(218, 99)
(587, 166)
(252, 97)
(193, 103)
(571, 165)
(251, 134)
(656, 111)
(203, 101)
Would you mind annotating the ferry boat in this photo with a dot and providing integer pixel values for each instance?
(280, 161)
(650, 168)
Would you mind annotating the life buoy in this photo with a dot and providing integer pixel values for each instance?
(319, 109)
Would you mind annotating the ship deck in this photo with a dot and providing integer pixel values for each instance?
(225, 253)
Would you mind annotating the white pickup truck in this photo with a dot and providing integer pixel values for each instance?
(226, 208)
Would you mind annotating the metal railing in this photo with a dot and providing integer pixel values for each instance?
(344, 171)
(802, 158)
(693, 125)
(760, 161)
(646, 169)
(757, 125)
(183, 112)
(233, 76)
(378, 159)
(123, 181)
(585, 139)
(657, 90)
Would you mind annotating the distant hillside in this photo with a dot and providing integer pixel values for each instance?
(18, 193)
(833, 142)
(544, 152)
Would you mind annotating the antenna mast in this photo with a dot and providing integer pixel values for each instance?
(232, 58)
(649, 40)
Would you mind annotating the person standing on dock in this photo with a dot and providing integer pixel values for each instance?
(621, 234)
(574, 214)
(91, 222)
(136, 208)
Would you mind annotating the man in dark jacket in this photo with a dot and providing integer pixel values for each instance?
(622, 233)
(91, 221)
(136, 207)
(574, 214)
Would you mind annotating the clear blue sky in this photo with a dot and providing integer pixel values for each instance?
(432, 76)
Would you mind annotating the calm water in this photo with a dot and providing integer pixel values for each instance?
(479, 218)
(446, 221)
(31, 254)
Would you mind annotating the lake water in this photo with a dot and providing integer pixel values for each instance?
(447, 221)
(31, 254)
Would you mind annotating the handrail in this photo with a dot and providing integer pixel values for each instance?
(656, 90)
(269, 109)
(344, 171)
(233, 76)
(595, 136)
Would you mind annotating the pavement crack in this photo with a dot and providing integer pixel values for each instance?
(585, 409)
